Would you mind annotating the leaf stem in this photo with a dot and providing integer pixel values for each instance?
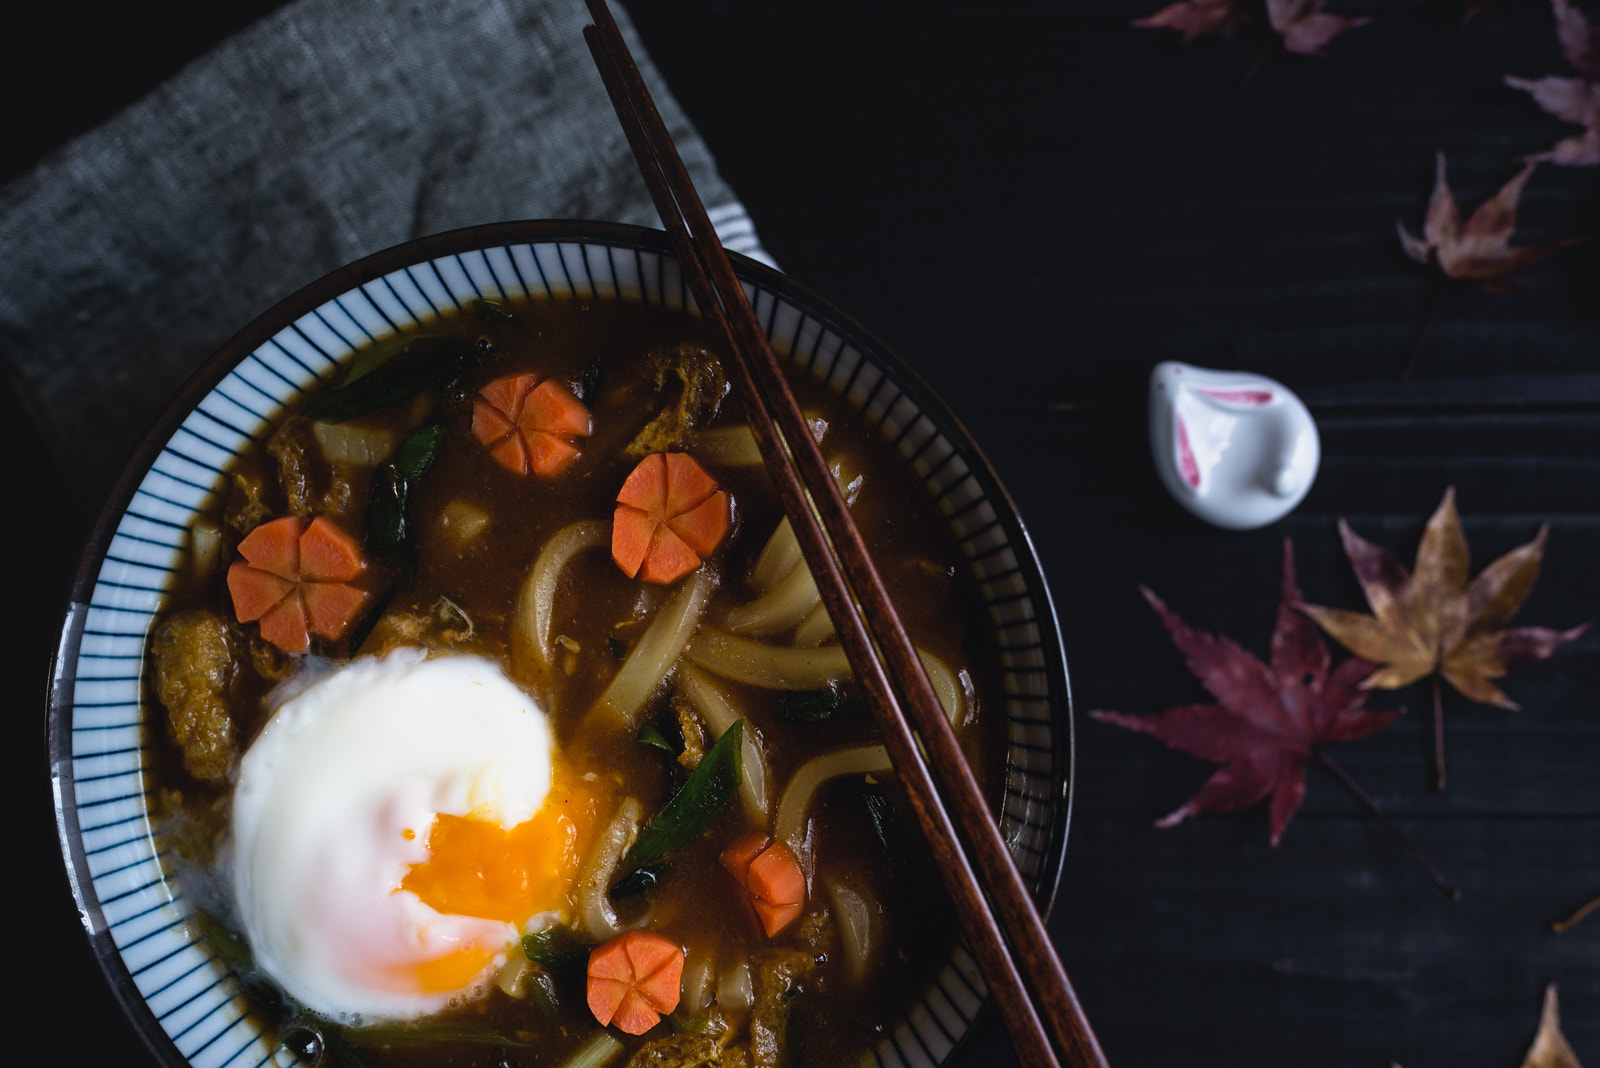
(1438, 736)
(1405, 840)
(1255, 64)
(1576, 918)
(1413, 350)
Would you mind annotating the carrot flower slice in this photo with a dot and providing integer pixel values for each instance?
(670, 516)
(771, 875)
(634, 980)
(297, 579)
(529, 425)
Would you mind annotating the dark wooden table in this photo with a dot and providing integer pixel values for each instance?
(1034, 203)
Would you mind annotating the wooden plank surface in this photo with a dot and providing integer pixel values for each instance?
(1034, 203)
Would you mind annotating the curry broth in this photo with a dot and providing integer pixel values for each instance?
(463, 596)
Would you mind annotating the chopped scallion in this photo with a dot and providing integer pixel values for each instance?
(809, 706)
(422, 363)
(639, 880)
(595, 1052)
(689, 811)
(556, 948)
(650, 735)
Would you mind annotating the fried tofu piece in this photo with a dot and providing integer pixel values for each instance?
(195, 665)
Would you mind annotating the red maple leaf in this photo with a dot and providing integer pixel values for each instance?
(1478, 250)
(1575, 100)
(1269, 720)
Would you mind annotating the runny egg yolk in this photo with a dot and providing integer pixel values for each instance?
(477, 868)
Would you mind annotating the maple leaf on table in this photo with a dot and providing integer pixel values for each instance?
(1305, 27)
(1269, 720)
(1302, 25)
(1550, 1047)
(1193, 18)
(1480, 249)
(1432, 621)
(1575, 100)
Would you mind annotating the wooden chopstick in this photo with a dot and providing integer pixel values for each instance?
(875, 641)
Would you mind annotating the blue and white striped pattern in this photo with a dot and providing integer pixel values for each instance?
(186, 986)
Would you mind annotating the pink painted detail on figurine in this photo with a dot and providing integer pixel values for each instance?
(1186, 462)
(1236, 449)
(1251, 397)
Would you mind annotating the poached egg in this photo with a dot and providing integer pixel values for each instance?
(396, 826)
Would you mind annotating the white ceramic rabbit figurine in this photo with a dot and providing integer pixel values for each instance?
(1236, 449)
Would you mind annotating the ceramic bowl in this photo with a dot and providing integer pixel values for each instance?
(180, 994)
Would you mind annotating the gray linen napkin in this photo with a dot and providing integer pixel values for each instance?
(327, 131)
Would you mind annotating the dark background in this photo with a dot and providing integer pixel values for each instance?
(1034, 203)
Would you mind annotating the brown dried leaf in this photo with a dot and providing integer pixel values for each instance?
(1434, 621)
(1305, 27)
(1574, 100)
(1550, 1048)
(1479, 250)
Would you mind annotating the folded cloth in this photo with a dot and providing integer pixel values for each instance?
(327, 131)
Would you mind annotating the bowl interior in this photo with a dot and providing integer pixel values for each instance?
(179, 992)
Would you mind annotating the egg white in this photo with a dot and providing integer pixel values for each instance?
(334, 803)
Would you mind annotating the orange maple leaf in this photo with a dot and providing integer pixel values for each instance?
(1432, 621)
(1550, 1047)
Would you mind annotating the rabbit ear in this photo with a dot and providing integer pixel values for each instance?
(1239, 398)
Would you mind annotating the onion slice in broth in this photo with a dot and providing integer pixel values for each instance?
(795, 808)
(787, 668)
(530, 626)
(652, 659)
(594, 882)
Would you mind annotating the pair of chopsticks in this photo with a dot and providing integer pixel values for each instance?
(1005, 930)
